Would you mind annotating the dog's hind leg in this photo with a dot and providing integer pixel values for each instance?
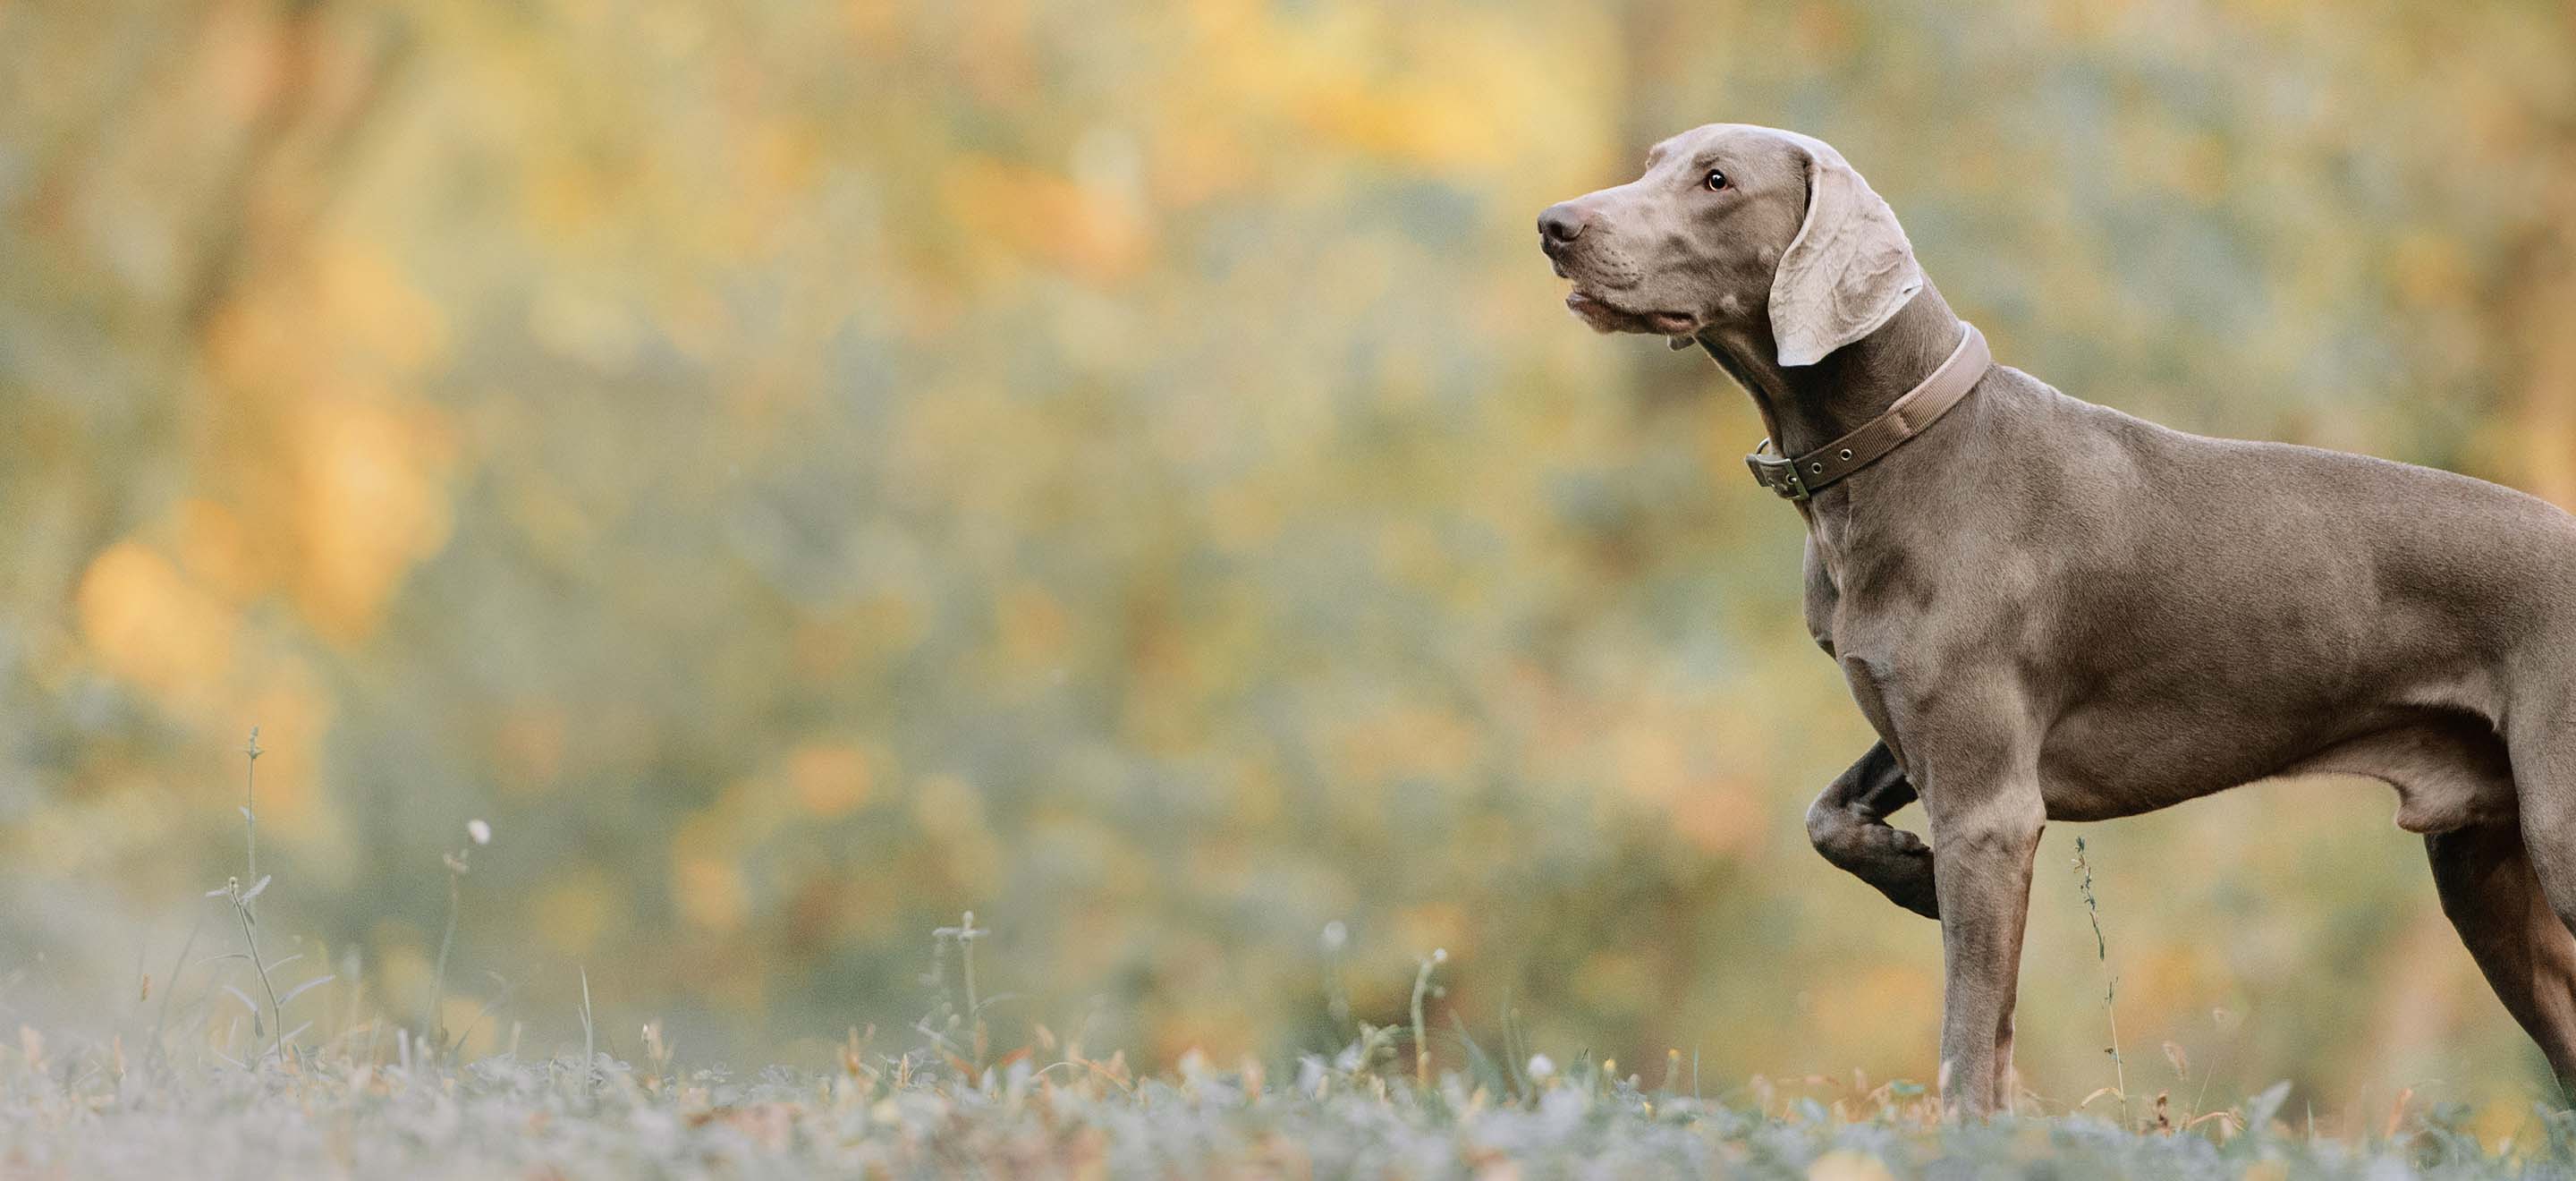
(1848, 824)
(2541, 736)
(2493, 897)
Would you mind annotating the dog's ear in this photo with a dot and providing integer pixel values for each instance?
(1848, 269)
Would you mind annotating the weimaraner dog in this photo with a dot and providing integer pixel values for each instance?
(2051, 610)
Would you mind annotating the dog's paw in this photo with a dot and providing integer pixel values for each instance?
(1893, 861)
(1915, 894)
(1892, 839)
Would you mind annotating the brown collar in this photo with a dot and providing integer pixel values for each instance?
(1803, 477)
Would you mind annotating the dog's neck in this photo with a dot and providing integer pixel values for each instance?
(1807, 406)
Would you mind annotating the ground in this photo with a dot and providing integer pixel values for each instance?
(327, 1113)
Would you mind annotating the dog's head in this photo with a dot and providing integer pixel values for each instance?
(1734, 228)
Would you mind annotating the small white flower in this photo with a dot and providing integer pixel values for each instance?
(481, 832)
(1335, 935)
(1541, 1066)
(1439, 955)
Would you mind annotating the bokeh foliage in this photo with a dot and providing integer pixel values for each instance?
(806, 470)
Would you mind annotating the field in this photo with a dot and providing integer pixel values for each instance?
(331, 1114)
(218, 1092)
(244, 1062)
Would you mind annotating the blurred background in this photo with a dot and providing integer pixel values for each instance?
(802, 471)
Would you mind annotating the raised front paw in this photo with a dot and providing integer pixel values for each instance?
(1893, 861)
(1848, 827)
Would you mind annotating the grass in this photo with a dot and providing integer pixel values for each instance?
(333, 1112)
(370, 1098)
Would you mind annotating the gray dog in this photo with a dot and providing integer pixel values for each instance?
(2051, 610)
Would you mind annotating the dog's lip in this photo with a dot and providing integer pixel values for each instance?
(1588, 309)
(1592, 307)
(1584, 302)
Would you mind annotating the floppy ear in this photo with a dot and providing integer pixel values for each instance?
(1848, 269)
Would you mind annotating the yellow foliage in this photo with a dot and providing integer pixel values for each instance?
(1722, 817)
(528, 747)
(375, 316)
(1033, 625)
(2188, 163)
(564, 197)
(1443, 924)
(219, 551)
(2431, 269)
(993, 51)
(951, 812)
(1616, 979)
(371, 502)
(146, 622)
(1044, 217)
(948, 807)
(586, 326)
(830, 778)
(709, 893)
(575, 910)
(1408, 742)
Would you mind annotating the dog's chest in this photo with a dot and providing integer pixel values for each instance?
(1860, 597)
(1822, 597)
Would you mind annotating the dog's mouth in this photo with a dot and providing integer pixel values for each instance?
(1605, 316)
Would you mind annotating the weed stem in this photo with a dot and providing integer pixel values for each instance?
(1421, 1038)
(276, 1011)
(2110, 983)
(250, 806)
(435, 1023)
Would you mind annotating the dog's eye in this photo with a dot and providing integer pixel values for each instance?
(1715, 180)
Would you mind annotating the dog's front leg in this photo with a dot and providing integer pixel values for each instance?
(1848, 824)
(1987, 830)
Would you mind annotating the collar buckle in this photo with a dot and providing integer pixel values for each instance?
(1778, 474)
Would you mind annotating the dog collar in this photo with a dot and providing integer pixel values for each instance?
(1803, 477)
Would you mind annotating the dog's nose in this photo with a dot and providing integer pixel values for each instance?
(1563, 222)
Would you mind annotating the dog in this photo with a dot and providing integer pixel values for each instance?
(2051, 610)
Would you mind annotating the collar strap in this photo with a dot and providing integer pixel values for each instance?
(1803, 477)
